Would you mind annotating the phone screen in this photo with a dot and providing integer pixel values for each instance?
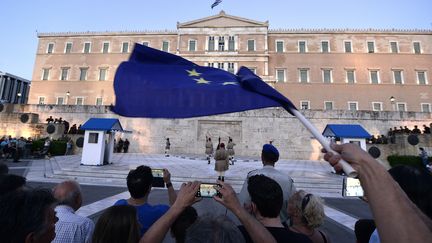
(157, 172)
(207, 190)
(352, 188)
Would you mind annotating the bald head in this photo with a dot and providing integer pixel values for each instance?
(68, 193)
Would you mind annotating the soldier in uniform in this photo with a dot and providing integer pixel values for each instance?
(167, 147)
(230, 148)
(221, 165)
(208, 149)
(269, 156)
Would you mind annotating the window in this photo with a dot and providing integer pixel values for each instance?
(328, 105)
(145, 43)
(221, 65)
(99, 101)
(192, 45)
(280, 75)
(125, 47)
(221, 46)
(401, 106)
(421, 77)
(64, 73)
(211, 43)
(102, 74)
(105, 47)
(305, 104)
(304, 75)
(79, 101)
(87, 47)
(425, 107)
(377, 106)
(211, 64)
(60, 101)
(325, 47)
(231, 43)
(416, 47)
(327, 75)
(394, 47)
(93, 137)
(347, 45)
(253, 69)
(45, 73)
(41, 100)
(50, 48)
(352, 105)
(302, 46)
(371, 46)
(397, 77)
(68, 47)
(350, 76)
(374, 76)
(83, 73)
(279, 46)
(165, 46)
(231, 67)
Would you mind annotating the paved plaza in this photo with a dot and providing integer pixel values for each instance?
(103, 185)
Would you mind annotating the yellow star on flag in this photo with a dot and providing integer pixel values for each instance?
(193, 72)
(202, 81)
(229, 83)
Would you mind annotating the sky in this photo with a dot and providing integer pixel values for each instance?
(22, 19)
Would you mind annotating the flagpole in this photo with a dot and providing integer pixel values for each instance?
(347, 168)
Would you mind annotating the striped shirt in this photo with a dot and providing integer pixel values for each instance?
(72, 228)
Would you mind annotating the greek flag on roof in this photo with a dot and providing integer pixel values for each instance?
(157, 84)
(216, 3)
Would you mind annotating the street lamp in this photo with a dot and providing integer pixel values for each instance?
(67, 97)
(19, 97)
(392, 101)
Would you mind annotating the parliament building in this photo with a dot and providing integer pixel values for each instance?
(318, 69)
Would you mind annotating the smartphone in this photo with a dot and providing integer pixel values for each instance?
(208, 190)
(352, 187)
(158, 178)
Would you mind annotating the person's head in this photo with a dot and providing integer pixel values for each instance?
(269, 154)
(139, 181)
(266, 196)
(306, 207)
(415, 126)
(27, 216)
(4, 169)
(11, 183)
(117, 224)
(210, 228)
(182, 223)
(230, 139)
(421, 149)
(416, 182)
(68, 193)
(222, 145)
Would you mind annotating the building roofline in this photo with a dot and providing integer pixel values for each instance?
(106, 33)
(348, 30)
(221, 14)
(13, 76)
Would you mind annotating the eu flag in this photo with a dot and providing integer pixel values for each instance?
(157, 84)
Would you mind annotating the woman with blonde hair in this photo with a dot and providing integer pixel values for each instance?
(307, 214)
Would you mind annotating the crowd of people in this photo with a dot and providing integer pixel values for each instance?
(14, 148)
(269, 207)
(121, 146)
(74, 129)
(393, 132)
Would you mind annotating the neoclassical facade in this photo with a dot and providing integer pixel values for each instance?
(320, 69)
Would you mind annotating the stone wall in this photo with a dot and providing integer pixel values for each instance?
(249, 129)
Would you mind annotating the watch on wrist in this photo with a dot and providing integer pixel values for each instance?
(169, 184)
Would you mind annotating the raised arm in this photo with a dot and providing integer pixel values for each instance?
(186, 197)
(171, 193)
(256, 230)
(396, 217)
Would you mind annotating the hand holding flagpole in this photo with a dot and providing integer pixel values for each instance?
(347, 168)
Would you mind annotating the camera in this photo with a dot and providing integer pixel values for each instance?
(208, 190)
(158, 178)
(352, 187)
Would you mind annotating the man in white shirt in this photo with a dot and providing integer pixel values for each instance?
(269, 156)
(70, 227)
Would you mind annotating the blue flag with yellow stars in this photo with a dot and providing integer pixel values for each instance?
(157, 84)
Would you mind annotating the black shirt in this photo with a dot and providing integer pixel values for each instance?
(280, 234)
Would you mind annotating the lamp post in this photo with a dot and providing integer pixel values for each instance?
(392, 101)
(67, 97)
